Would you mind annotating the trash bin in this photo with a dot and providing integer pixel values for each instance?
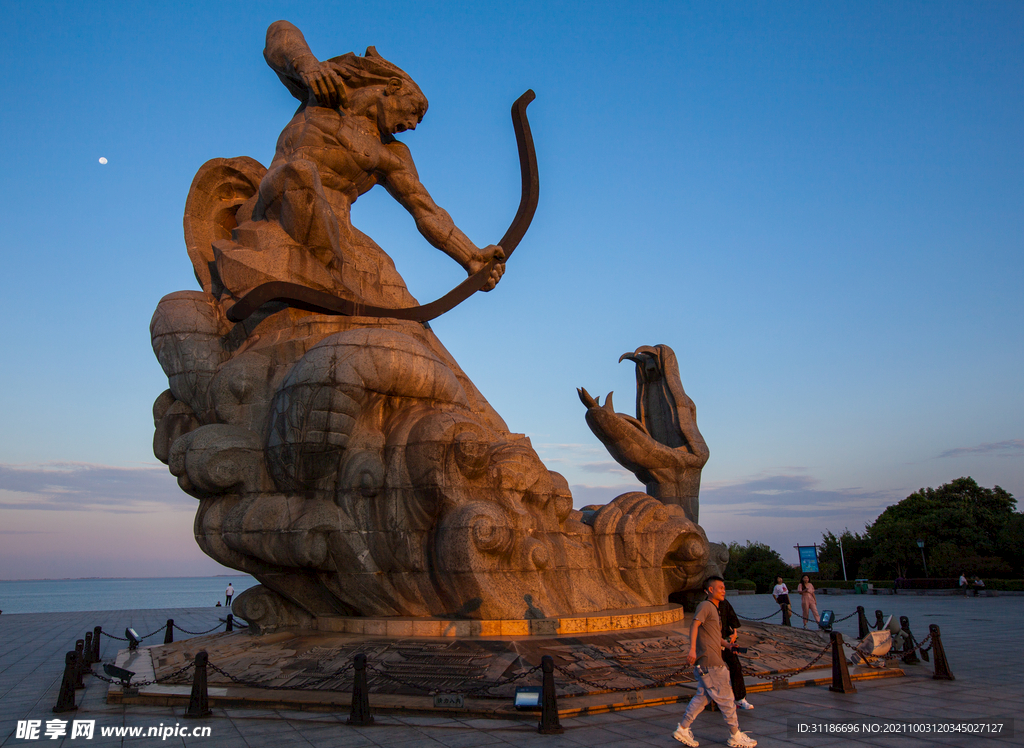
(860, 586)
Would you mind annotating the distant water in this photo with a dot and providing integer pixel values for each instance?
(65, 595)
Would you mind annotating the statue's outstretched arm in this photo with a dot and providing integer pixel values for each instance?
(433, 221)
(309, 80)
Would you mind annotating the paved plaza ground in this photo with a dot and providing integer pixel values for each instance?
(981, 638)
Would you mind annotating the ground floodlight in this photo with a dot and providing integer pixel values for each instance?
(826, 620)
(123, 675)
(527, 697)
(892, 626)
(871, 649)
(134, 640)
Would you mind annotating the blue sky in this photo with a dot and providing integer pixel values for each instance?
(819, 207)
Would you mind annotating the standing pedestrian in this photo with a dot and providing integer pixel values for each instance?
(808, 598)
(781, 595)
(731, 622)
(228, 594)
(706, 644)
(963, 583)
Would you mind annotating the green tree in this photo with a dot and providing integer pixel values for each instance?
(856, 549)
(961, 524)
(756, 562)
(1010, 544)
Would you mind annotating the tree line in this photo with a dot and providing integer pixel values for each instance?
(966, 528)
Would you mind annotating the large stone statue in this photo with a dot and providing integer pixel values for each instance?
(338, 452)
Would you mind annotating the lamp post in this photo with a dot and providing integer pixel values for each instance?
(920, 544)
(842, 556)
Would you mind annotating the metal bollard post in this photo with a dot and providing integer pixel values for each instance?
(230, 623)
(66, 697)
(908, 642)
(548, 724)
(169, 633)
(879, 621)
(87, 654)
(80, 663)
(786, 612)
(360, 714)
(941, 664)
(841, 682)
(96, 633)
(862, 623)
(199, 699)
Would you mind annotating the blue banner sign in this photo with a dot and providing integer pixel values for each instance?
(808, 558)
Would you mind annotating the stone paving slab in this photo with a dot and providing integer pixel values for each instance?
(979, 634)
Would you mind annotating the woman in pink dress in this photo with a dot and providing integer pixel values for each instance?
(808, 598)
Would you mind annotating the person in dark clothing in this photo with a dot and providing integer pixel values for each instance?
(731, 622)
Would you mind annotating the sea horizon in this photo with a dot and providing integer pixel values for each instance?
(172, 576)
(74, 594)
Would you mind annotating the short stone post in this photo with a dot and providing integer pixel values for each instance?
(80, 663)
(66, 697)
(786, 612)
(97, 632)
(879, 620)
(169, 633)
(360, 714)
(908, 642)
(941, 664)
(199, 699)
(548, 724)
(863, 629)
(841, 682)
(87, 654)
(230, 623)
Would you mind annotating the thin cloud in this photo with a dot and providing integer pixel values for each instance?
(775, 496)
(584, 495)
(604, 467)
(793, 496)
(71, 486)
(1008, 448)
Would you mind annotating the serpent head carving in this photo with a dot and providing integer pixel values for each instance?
(662, 446)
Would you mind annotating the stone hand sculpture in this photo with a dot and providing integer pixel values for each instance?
(662, 446)
(347, 462)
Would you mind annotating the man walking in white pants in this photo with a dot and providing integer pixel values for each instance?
(712, 674)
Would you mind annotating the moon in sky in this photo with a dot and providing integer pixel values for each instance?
(103, 159)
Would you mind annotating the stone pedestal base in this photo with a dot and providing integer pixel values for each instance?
(584, 623)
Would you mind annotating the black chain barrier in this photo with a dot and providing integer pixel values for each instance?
(162, 629)
(480, 689)
(791, 673)
(257, 684)
(193, 633)
(772, 615)
(137, 683)
(673, 677)
(895, 655)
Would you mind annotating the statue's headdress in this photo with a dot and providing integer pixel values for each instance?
(370, 70)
